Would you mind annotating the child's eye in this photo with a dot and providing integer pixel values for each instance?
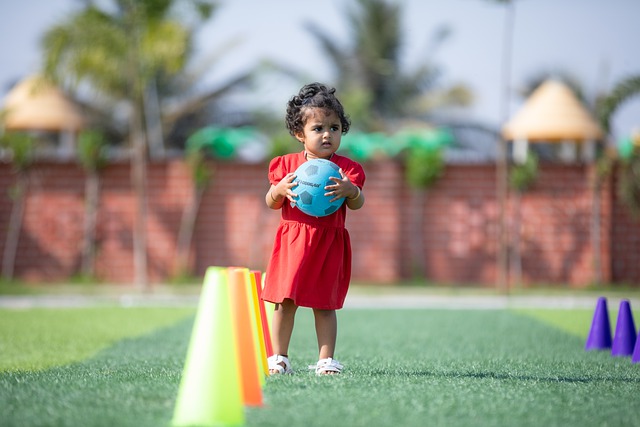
(335, 128)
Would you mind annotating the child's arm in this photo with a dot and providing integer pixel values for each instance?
(357, 201)
(277, 194)
(345, 188)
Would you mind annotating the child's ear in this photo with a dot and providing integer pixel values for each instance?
(300, 137)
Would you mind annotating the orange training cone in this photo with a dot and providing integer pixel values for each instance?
(251, 389)
(209, 393)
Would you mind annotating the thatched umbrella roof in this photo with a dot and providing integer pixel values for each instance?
(36, 104)
(552, 114)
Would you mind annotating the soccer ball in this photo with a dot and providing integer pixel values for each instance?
(311, 177)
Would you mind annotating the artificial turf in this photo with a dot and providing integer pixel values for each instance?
(403, 368)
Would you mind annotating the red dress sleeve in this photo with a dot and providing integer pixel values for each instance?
(354, 171)
(277, 170)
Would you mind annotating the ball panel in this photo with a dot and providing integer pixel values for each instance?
(311, 177)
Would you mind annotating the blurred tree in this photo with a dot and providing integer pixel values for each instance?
(502, 170)
(521, 178)
(200, 178)
(20, 145)
(629, 184)
(92, 157)
(622, 91)
(377, 91)
(424, 167)
(130, 56)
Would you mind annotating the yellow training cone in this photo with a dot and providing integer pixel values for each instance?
(210, 393)
(265, 347)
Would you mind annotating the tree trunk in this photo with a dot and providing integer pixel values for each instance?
(139, 177)
(502, 172)
(15, 225)
(138, 143)
(185, 235)
(595, 230)
(92, 191)
(516, 258)
(418, 268)
(154, 121)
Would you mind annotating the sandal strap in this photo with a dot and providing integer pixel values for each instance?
(327, 365)
(275, 364)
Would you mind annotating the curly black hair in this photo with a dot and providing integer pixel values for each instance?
(314, 95)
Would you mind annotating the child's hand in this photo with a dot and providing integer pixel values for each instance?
(283, 188)
(343, 187)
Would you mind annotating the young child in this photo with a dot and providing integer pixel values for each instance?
(310, 264)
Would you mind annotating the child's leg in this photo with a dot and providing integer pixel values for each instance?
(283, 319)
(326, 331)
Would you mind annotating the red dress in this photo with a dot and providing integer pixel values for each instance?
(311, 258)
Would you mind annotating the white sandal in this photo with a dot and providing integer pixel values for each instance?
(327, 366)
(275, 363)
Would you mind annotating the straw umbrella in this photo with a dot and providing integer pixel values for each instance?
(553, 114)
(35, 104)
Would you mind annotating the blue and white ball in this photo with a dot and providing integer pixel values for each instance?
(311, 177)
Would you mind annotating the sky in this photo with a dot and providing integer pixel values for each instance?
(596, 41)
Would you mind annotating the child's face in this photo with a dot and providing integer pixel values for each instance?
(321, 133)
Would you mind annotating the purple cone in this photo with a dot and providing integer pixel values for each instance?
(636, 351)
(600, 334)
(625, 337)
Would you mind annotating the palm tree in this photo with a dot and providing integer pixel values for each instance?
(629, 184)
(521, 178)
(424, 168)
(200, 177)
(91, 153)
(377, 91)
(133, 54)
(625, 89)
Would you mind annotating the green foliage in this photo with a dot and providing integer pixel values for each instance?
(522, 177)
(21, 146)
(369, 71)
(122, 49)
(283, 143)
(200, 171)
(424, 167)
(629, 184)
(624, 90)
(92, 147)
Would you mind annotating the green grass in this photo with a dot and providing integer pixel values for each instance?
(40, 338)
(404, 368)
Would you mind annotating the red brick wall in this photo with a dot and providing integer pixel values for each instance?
(458, 224)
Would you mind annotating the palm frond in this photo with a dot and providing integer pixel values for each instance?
(625, 89)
